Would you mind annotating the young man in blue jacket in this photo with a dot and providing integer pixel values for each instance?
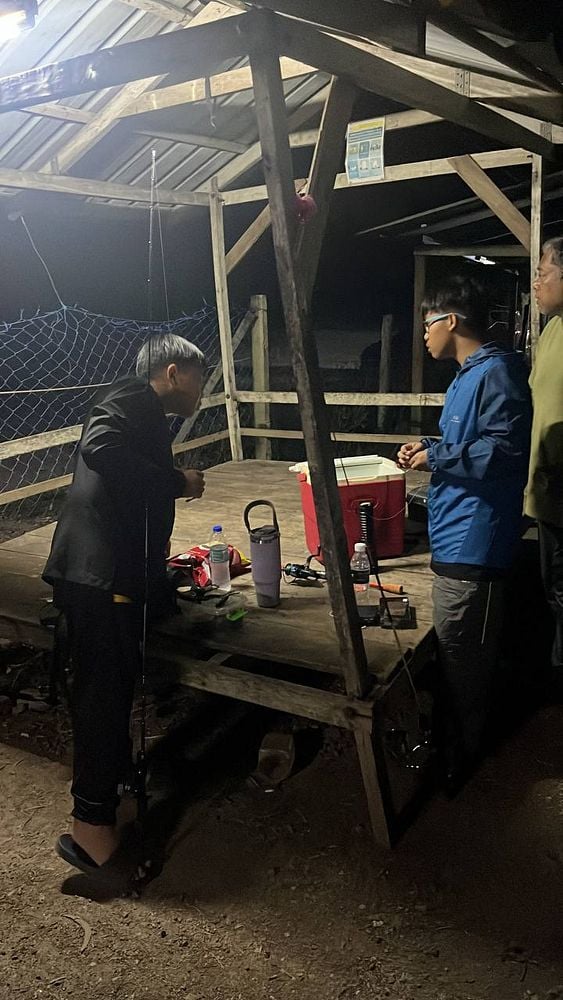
(479, 471)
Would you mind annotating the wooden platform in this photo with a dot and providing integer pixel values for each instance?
(231, 660)
(301, 631)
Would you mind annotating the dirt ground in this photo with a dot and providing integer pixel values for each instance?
(282, 896)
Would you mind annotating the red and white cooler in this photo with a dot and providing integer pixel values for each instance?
(365, 478)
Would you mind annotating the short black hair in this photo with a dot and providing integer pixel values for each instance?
(165, 349)
(464, 296)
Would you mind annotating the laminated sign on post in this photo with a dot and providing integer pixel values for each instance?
(364, 150)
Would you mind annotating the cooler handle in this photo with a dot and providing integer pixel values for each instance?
(260, 503)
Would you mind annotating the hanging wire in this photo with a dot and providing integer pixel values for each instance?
(42, 260)
(151, 238)
(402, 655)
(141, 769)
(162, 256)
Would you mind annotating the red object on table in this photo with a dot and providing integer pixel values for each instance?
(388, 497)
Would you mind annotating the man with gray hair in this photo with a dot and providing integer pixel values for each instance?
(544, 495)
(108, 553)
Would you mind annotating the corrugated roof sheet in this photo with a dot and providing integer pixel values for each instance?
(67, 28)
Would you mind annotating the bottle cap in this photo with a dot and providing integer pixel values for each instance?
(360, 547)
(217, 527)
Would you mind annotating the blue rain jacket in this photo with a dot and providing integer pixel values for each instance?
(480, 464)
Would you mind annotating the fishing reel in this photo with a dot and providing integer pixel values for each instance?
(303, 573)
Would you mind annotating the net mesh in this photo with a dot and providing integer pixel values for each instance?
(52, 365)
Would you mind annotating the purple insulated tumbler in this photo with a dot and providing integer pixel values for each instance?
(265, 556)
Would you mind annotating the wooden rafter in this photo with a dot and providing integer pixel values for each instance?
(241, 164)
(27, 180)
(162, 8)
(193, 139)
(485, 189)
(326, 161)
(106, 119)
(521, 97)
(261, 224)
(452, 24)
(368, 71)
(220, 85)
(390, 24)
(397, 172)
(192, 52)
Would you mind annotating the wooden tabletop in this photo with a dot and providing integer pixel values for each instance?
(300, 631)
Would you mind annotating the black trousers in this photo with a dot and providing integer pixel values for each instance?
(104, 642)
(551, 553)
(468, 619)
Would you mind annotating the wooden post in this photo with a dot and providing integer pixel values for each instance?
(261, 372)
(385, 366)
(536, 219)
(324, 168)
(224, 318)
(272, 127)
(417, 371)
(216, 375)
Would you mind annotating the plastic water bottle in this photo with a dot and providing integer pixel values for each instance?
(219, 560)
(359, 568)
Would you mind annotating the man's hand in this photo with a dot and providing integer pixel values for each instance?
(407, 453)
(195, 484)
(419, 462)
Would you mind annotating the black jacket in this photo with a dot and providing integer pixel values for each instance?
(124, 468)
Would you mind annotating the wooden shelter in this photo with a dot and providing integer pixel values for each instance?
(377, 47)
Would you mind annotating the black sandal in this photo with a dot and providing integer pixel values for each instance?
(74, 855)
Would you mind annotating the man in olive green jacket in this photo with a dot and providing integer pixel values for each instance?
(544, 499)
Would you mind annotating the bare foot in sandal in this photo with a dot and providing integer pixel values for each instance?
(99, 842)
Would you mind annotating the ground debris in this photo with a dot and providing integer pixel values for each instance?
(86, 928)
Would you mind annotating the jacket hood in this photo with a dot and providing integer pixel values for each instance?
(488, 351)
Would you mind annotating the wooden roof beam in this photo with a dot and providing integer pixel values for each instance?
(193, 53)
(193, 139)
(231, 82)
(404, 31)
(397, 172)
(387, 23)
(486, 189)
(377, 76)
(262, 222)
(164, 9)
(105, 120)
(518, 96)
(455, 26)
(28, 180)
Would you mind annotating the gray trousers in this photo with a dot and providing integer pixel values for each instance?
(468, 618)
(551, 551)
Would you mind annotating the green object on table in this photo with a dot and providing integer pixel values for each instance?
(237, 616)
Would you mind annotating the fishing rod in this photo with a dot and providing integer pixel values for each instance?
(141, 762)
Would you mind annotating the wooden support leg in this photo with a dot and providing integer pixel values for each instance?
(272, 125)
(378, 819)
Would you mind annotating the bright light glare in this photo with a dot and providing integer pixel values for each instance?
(11, 25)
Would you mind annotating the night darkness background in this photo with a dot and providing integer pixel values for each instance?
(98, 253)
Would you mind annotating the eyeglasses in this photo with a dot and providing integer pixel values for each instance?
(427, 323)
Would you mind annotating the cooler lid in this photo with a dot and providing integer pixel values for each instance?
(358, 469)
